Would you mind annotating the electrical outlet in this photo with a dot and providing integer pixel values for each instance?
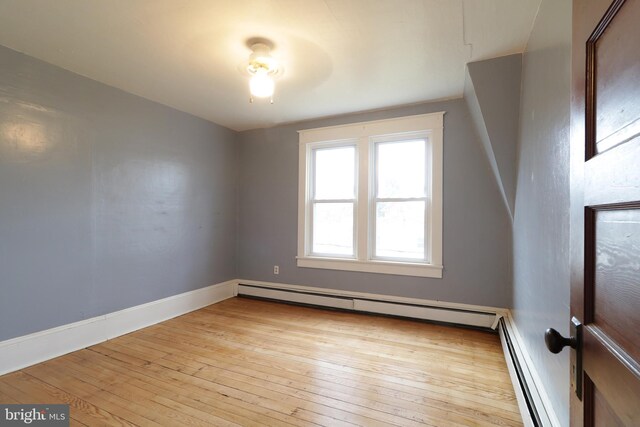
(276, 269)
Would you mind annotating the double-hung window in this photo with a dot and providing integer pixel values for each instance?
(370, 196)
(332, 202)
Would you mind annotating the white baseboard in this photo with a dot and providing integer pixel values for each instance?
(20, 352)
(533, 400)
(461, 314)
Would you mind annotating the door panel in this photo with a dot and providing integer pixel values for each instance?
(605, 209)
(611, 378)
(617, 71)
(603, 414)
(616, 289)
(607, 175)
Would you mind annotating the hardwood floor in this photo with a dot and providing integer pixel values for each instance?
(255, 363)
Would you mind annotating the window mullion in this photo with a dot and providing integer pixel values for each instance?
(373, 199)
(362, 220)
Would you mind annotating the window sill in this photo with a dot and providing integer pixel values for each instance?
(381, 267)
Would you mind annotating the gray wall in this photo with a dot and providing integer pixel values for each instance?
(477, 236)
(541, 222)
(107, 200)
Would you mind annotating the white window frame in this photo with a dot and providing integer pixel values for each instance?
(364, 135)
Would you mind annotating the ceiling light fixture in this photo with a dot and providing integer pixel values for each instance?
(262, 68)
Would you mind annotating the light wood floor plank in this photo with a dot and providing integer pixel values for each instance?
(155, 374)
(253, 363)
(153, 380)
(381, 353)
(203, 355)
(345, 366)
(329, 337)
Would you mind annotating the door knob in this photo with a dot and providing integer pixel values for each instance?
(556, 342)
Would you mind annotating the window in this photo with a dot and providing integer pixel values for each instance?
(333, 201)
(370, 197)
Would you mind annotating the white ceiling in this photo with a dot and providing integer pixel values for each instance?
(339, 55)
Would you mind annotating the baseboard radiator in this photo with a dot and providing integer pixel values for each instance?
(530, 415)
(458, 316)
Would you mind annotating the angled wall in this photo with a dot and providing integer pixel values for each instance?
(492, 92)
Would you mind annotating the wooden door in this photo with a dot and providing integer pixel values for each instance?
(605, 209)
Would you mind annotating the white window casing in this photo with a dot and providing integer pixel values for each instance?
(364, 137)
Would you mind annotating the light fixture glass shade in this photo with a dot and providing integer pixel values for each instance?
(261, 84)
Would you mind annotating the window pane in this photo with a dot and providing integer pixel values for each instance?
(333, 228)
(400, 230)
(335, 173)
(401, 169)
